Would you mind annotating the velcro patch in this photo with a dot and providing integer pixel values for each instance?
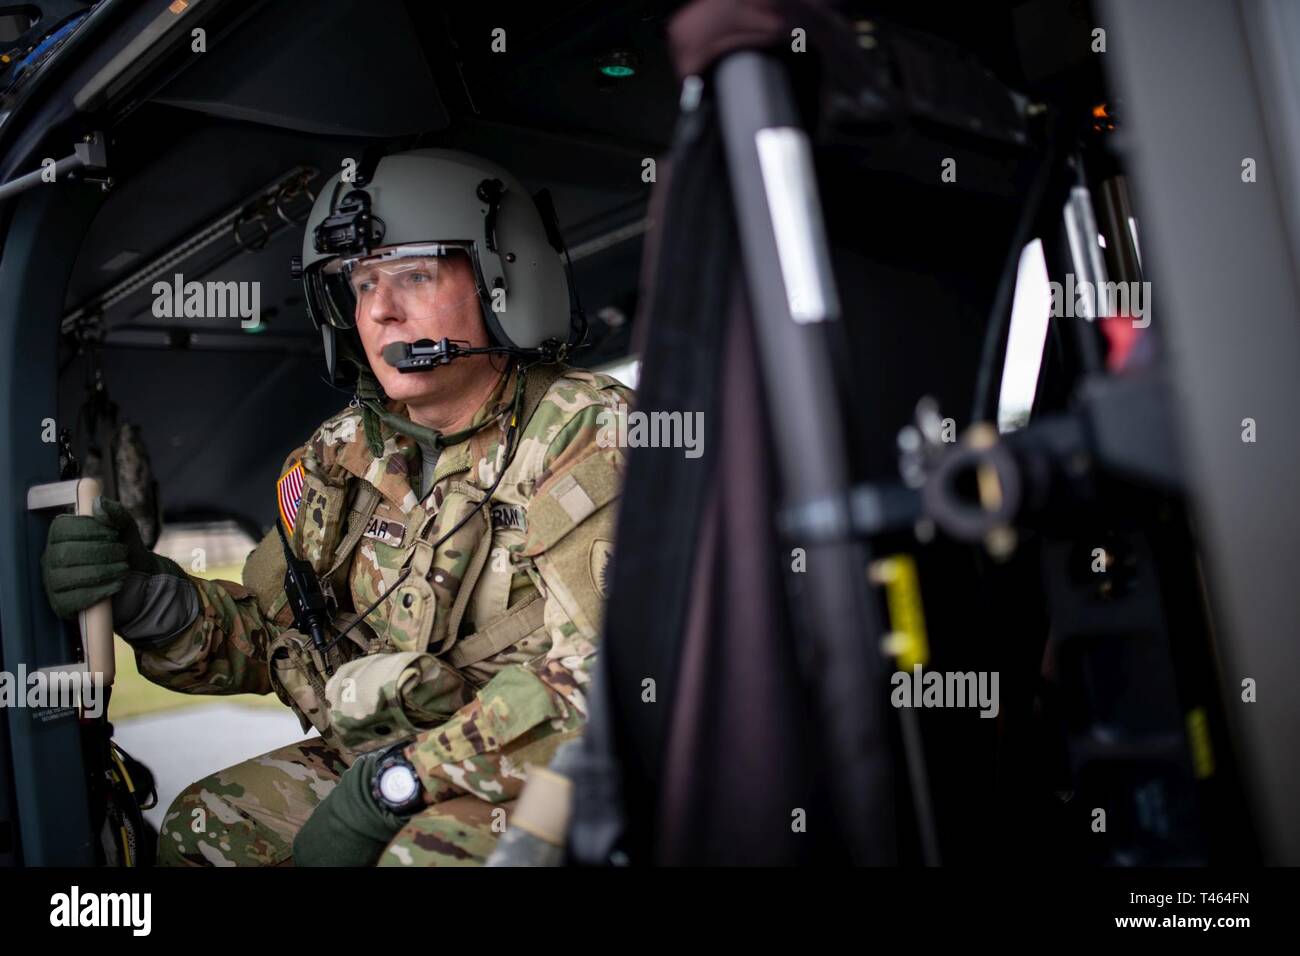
(383, 529)
(510, 517)
(573, 498)
(569, 501)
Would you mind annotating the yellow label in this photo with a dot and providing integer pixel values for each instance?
(1198, 739)
(906, 639)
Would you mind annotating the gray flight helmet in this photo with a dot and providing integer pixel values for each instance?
(443, 196)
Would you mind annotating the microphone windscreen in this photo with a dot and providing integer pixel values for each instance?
(394, 352)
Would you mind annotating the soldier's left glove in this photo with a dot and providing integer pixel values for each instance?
(350, 827)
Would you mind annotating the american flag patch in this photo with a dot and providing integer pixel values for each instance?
(289, 492)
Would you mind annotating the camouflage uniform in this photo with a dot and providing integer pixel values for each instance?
(480, 654)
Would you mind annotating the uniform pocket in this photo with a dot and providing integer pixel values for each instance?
(295, 681)
(318, 522)
(384, 698)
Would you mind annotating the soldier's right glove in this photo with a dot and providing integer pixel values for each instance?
(349, 827)
(89, 558)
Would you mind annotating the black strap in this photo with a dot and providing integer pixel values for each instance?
(650, 586)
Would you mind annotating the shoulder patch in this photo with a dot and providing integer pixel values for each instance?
(289, 492)
(598, 563)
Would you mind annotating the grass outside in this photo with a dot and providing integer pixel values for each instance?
(134, 695)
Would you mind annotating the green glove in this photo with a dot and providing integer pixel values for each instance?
(88, 558)
(348, 827)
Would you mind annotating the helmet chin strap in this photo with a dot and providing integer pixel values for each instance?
(370, 396)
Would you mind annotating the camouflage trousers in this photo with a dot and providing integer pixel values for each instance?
(248, 815)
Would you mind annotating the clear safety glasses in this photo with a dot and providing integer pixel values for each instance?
(413, 281)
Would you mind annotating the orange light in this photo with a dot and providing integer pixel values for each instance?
(178, 6)
(1099, 111)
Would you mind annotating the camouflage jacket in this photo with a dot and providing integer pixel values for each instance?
(482, 650)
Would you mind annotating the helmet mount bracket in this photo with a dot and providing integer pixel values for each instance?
(490, 191)
(350, 228)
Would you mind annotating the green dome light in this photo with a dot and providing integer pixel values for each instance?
(618, 64)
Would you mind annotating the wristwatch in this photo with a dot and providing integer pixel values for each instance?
(396, 786)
